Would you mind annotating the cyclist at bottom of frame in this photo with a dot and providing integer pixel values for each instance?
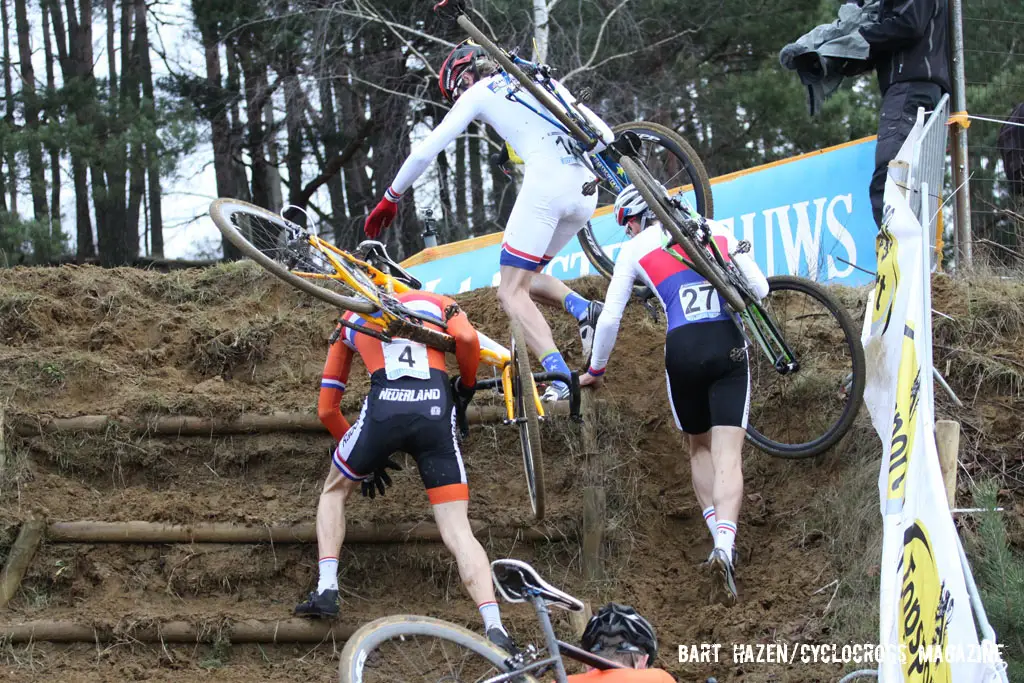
(621, 635)
(705, 364)
(412, 407)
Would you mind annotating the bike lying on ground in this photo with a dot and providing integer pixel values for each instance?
(414, 649)
(825, 373)
(367, 283)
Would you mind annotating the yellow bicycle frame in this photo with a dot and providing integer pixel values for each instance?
(492, 357)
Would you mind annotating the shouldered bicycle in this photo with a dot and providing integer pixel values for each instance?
(807, 351)
(367, 282)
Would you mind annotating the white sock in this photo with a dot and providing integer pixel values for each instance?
(491, 615)
(726, 536)
(328, 575)
(709, 519)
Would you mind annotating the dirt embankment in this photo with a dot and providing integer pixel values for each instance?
(229, 340)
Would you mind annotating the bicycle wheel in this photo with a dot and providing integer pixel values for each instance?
(528, 420)
(674, 163)
(278, 246)
(419, 649)
(672, 220)
(802, 413)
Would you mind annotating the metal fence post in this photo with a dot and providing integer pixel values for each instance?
(961, 177)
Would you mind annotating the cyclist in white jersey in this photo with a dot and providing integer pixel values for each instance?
(705, 364)
(549, 210)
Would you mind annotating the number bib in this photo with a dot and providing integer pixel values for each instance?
(404, 358)
(700, 302)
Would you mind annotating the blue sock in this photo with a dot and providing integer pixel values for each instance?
(575, 305)
(553, 362)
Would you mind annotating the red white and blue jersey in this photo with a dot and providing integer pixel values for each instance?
(686, 297)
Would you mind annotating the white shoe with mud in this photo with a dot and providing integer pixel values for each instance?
(723, 572)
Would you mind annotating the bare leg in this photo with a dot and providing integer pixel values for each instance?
(702, 469)
(330, 513)
(727, 455)
(474, 569)
(548, 289)
(514, 295)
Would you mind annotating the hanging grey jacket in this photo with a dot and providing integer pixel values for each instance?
(823, 56)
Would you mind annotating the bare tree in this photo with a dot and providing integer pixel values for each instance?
(69, 52)
(7, 154)
(152, 150)
(51, 119)
(37, 174)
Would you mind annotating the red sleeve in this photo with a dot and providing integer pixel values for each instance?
(332, 388)
(467, 345)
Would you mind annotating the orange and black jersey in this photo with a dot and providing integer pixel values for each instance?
(373, 352)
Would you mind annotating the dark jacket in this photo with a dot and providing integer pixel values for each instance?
(828, 53)
(910, 42)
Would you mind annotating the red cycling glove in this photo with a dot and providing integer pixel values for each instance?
(381, 216)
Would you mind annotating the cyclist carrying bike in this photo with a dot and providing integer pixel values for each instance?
(549, 210)
(411, 407)
(705, 363)
(621, 635)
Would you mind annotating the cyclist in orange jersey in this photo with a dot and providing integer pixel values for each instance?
(618, 633)
(411, 407)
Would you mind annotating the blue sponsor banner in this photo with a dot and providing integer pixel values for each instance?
(810, 216)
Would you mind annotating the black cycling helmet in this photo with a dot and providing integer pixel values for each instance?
(620, 623)
(467, 56)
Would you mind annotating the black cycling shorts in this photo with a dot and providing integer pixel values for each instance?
(416, 416)
(707, 374)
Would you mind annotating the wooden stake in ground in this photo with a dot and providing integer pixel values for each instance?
(185, 425)
(24, 548)
(947, 441)
(594, 506)
(3, 445)
(221, 532)
(245, 631)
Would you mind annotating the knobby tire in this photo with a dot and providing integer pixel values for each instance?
(221, 211)
(528, 420)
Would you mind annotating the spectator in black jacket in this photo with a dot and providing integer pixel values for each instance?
(910, 49)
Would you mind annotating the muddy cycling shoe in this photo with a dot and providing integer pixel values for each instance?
(588, 327)
(556, 391)
(319, 605)
(722, 568)
(499, 637)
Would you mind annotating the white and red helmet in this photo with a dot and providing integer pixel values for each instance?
(629, 204)
(467, 56)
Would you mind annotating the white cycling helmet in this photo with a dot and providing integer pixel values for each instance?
(630, 204)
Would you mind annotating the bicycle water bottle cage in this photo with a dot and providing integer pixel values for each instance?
(519, 582)
(375, 253)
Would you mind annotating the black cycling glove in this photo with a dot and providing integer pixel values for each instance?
(462, 397)
(380, 480)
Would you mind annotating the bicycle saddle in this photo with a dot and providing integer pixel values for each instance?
(518, 582)
(374, 253)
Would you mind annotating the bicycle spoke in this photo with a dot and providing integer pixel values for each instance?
(666, 159)
(806, 406)
(423, 659)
